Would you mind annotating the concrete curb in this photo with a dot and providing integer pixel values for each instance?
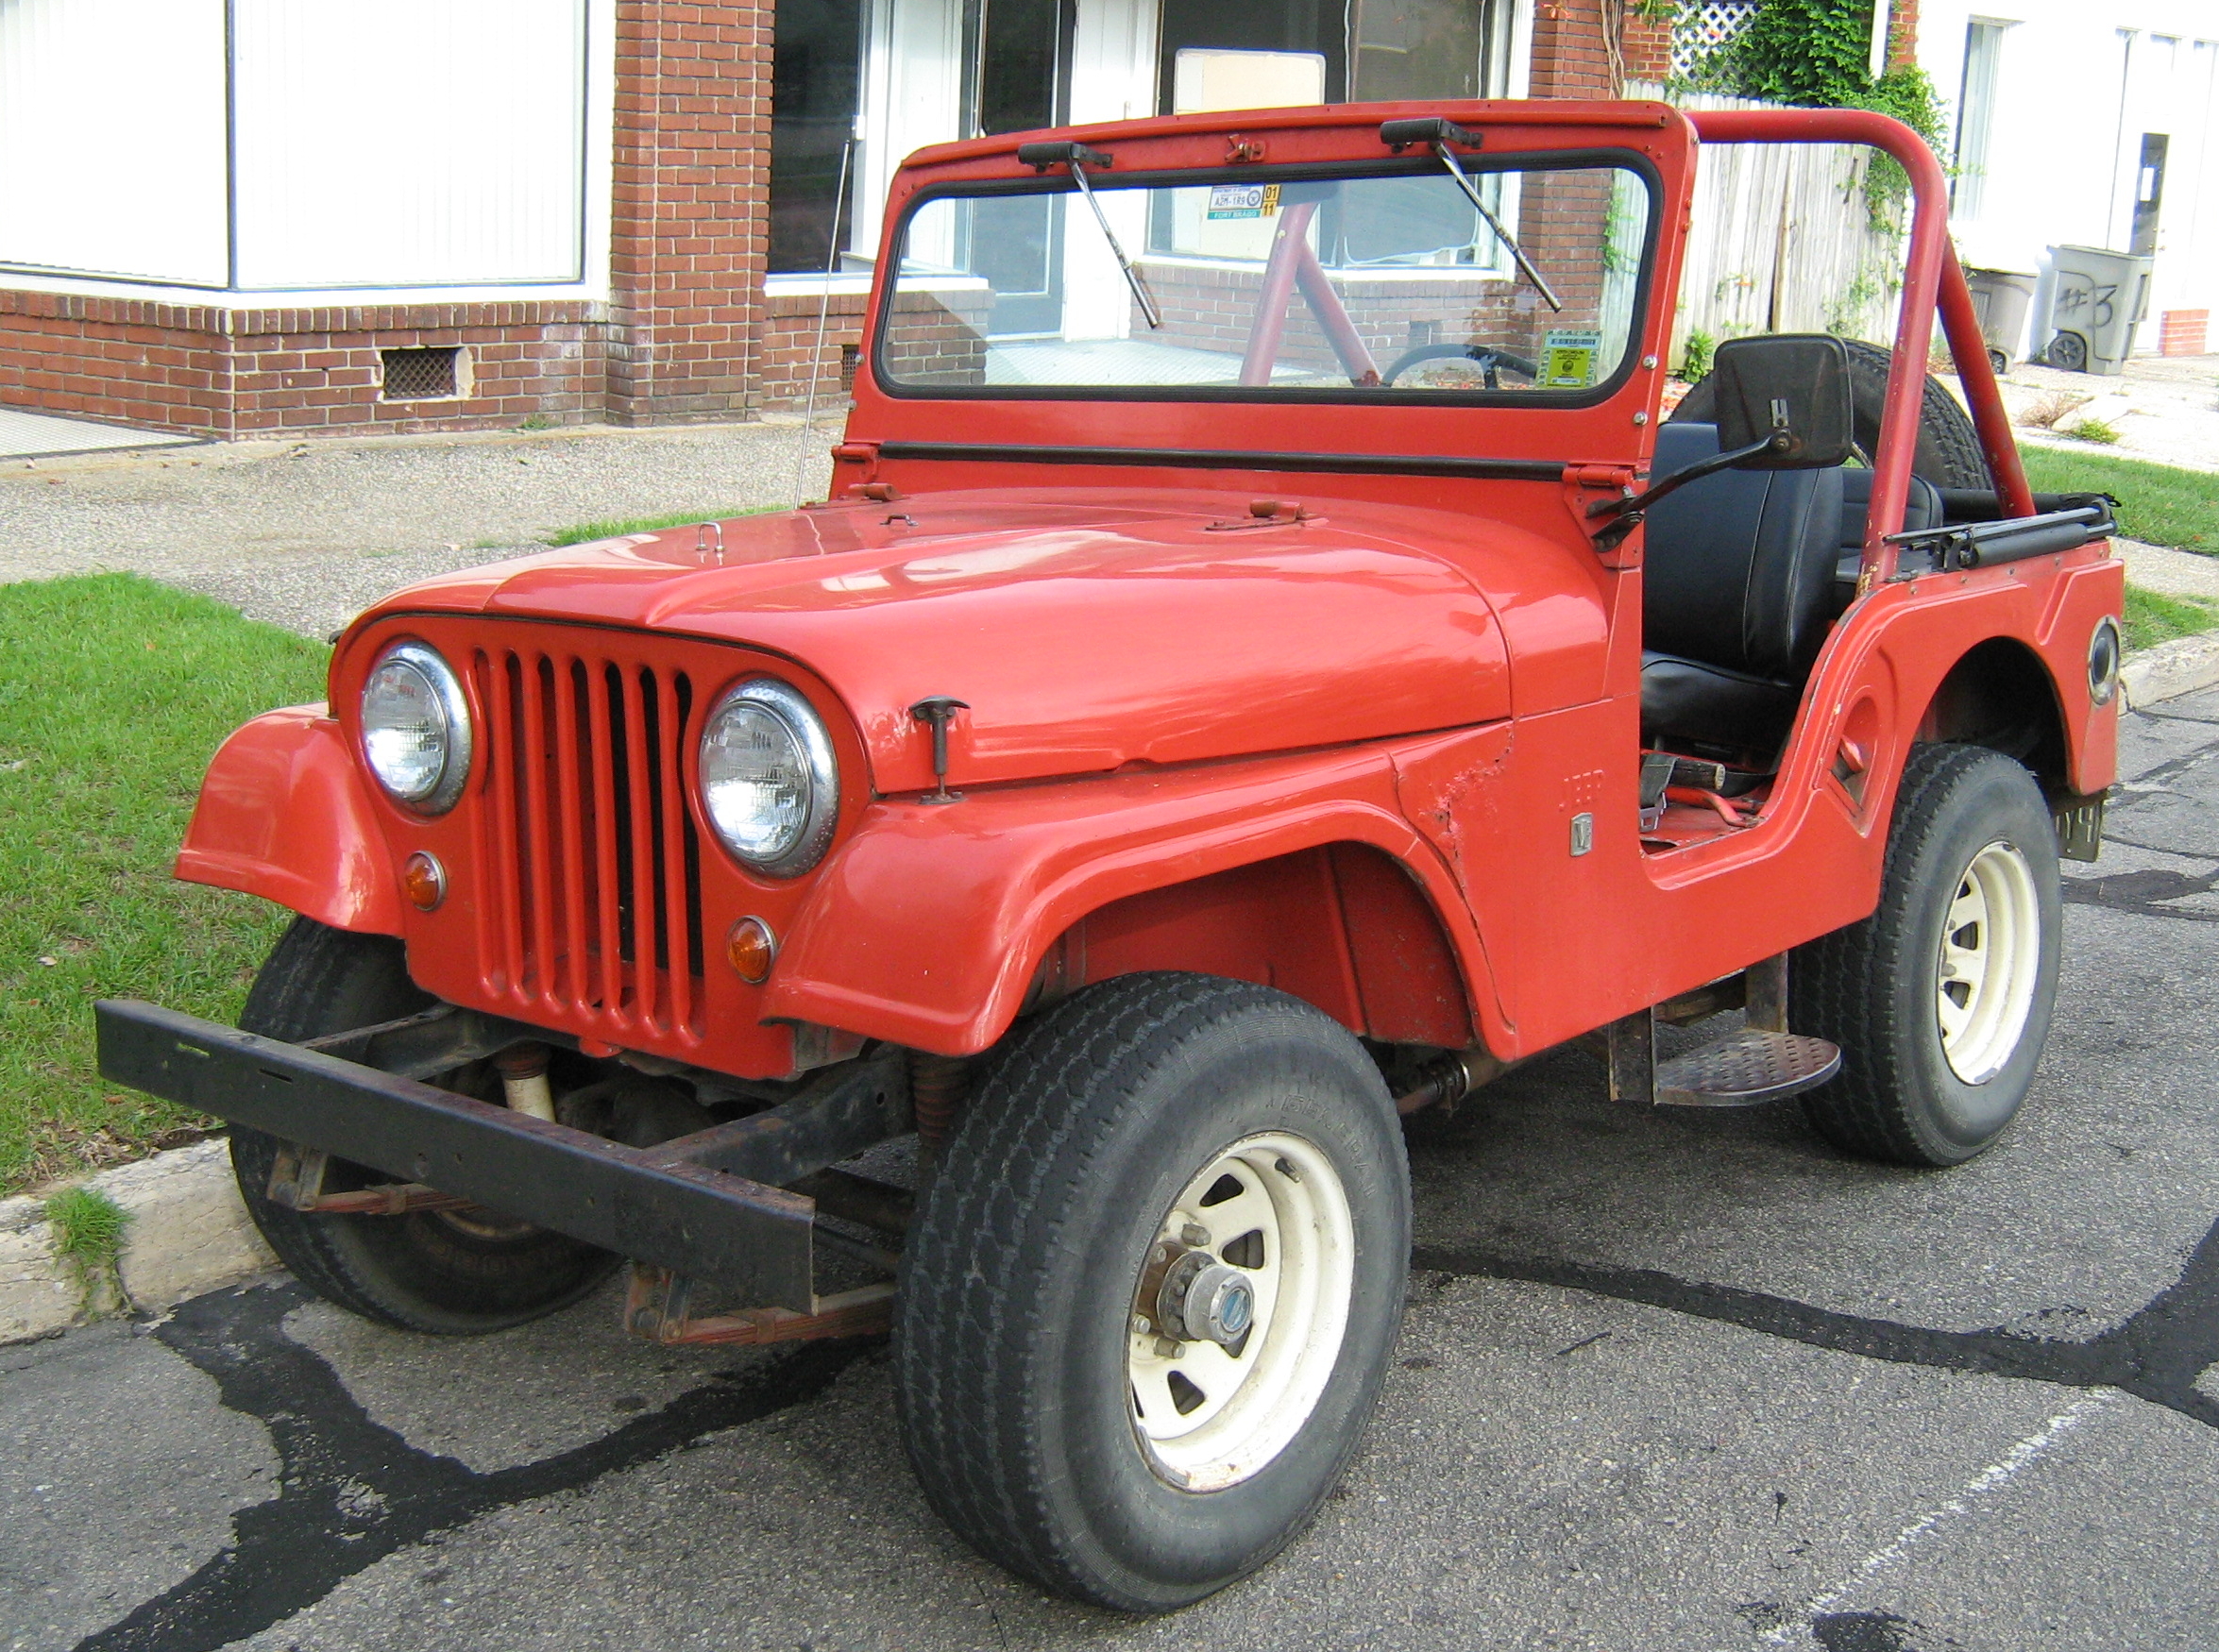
(2170, 669)
(189, 1233)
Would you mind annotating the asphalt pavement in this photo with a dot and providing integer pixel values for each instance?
(1672, 1381)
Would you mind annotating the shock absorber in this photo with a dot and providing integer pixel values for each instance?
(939, 1086)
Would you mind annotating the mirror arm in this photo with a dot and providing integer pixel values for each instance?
(1633, 504)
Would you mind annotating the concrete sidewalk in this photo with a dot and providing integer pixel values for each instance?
(306, 535)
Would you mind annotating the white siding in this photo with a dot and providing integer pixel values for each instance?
(112, 138)
(415, 142)
(2077, 86)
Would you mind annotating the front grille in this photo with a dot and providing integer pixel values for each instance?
(594, 864)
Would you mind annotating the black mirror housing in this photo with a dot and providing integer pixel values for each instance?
(1788, 392)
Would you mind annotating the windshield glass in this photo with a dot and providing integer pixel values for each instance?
(1510, 284)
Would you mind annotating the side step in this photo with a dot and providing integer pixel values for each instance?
(1745, 1070)
(1766, 1063)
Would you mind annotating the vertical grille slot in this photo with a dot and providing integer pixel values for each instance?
(595, 863)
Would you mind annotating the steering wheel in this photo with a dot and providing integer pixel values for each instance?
(1491, 362)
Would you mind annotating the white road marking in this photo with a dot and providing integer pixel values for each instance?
(1993, 1477)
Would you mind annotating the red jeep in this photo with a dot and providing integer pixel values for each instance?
(1264, 669)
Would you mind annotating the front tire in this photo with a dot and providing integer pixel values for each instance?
(1086, 1208)
(457, 1273)
(1942, 1000)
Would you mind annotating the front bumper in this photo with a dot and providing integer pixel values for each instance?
(754, 1239)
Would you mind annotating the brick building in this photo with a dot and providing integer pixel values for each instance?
(235, 218)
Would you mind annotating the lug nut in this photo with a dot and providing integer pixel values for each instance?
(1167, 1349)
(1195, 1236)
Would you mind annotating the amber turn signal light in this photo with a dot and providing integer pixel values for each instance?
(751, 949)
(425, 880)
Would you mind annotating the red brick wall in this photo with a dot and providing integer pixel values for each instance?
(163, 365)
(788, 356)
(244, 373)
(691, 206)
(2184, 332)
(1571, 56)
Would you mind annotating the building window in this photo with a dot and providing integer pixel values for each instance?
(1975, 114)
(815, 71)
(1429, 48)
(1312, 29)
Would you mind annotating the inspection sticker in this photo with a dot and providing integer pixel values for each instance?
(1568, 359)
(1243, 200)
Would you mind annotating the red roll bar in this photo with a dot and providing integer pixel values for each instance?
(1931, 278)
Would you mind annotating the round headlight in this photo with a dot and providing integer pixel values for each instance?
(416, 729)
(768, 784)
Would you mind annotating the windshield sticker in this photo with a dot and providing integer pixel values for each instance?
(1243, 200)
(1568, 359)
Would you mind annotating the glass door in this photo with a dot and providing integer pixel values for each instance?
(1019, 80)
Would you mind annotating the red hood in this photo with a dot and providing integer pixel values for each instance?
(1084, 633)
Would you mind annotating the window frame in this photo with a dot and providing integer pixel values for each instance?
(1627, 161)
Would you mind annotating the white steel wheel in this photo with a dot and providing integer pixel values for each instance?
(1242, 1306)
(1153, 1287)
(1991, 960)
(1940, 1000)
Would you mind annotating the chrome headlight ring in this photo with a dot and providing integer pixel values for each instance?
(766, 778)
(415, 729)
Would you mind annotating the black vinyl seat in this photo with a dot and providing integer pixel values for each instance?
(1742, 579)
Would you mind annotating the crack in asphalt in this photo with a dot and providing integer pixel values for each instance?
(2156, 1354)
(351, 1490)
(2143, 893)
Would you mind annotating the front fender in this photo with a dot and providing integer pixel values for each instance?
(283, 814)
(926, 926)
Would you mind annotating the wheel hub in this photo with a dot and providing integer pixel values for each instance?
(1204, 1299)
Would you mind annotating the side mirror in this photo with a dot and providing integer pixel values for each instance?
(1788, 392)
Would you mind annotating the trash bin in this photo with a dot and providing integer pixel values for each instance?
(1999, 299)
(2095, 300)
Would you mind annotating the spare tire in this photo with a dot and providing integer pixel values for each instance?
(1948, 453)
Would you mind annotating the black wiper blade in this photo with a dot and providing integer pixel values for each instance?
(1078, 158)
(1471, 190)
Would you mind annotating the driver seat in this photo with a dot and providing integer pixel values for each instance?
(1738, 590)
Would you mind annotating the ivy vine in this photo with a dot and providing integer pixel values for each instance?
(1817, 53)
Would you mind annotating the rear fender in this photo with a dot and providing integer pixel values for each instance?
(283, 814)
(928, 926)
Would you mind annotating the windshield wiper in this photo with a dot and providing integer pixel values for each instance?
(1078, 157)
(1435, 135)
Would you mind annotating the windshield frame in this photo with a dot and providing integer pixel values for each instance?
(1478, 165)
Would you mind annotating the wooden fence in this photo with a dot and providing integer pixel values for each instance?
(1782, 241)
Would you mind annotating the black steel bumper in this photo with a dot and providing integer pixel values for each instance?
(638, 1203)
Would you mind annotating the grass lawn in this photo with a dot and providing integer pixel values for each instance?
(114, 691)
(2152, 619)
(2159, 504)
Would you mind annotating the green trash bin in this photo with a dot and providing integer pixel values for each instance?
(2000, 298)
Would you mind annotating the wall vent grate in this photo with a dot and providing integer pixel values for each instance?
(419, 374)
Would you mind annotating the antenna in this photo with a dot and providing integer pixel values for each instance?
(839, 195)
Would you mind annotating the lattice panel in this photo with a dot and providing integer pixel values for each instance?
(1702, 28)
